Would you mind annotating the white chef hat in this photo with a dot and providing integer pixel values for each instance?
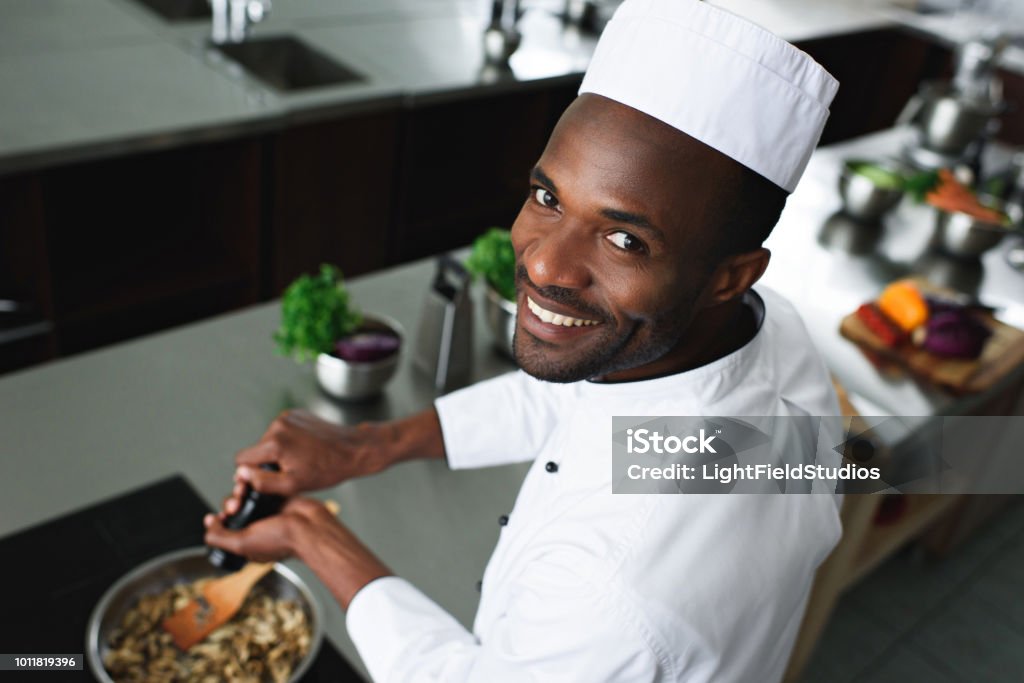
(718, 78)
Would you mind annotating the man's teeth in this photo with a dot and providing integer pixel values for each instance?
(555, 318)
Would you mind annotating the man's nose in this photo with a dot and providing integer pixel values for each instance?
(558, 259)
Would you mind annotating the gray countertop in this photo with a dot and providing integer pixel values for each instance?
(828, 265)
(959, 26)
(81, 430)
(87, 428)
(83, 80)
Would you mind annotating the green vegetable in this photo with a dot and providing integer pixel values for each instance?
(315, 313)
(878, 175)
(494, 260)
(920, 184)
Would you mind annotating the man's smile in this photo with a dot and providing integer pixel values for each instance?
(558, 318)
(552, 323)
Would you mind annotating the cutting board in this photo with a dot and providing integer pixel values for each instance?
(1003, 352)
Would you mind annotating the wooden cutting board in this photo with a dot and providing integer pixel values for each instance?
(1003, 352)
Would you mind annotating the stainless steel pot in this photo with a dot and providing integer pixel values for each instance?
(181, 566)
(863, 200)
(963, 235)
(949, 123)
(501, 319)
(352, 381)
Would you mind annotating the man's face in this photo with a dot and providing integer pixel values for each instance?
(611, 245)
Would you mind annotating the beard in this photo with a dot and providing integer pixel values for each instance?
(606, 349)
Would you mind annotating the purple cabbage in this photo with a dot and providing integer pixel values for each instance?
(937, 305)
(365, 347)
(955, 334)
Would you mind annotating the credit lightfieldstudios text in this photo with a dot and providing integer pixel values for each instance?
(645, 441)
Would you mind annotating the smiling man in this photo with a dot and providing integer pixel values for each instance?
(624, 271)
(637, 249)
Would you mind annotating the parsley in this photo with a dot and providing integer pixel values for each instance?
(918, 185)
(494, 259)
(315, 313)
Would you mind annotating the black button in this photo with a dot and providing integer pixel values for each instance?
(503, 520)
(551, 467)
(479, 586)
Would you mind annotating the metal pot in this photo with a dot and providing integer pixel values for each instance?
(963, 235)
(349, 380)
(863, 200)
(501, 319)
(949, 123)
(181, 566)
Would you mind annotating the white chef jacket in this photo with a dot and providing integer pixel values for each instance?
(589, 586)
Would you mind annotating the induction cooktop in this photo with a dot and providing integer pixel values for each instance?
(56, 572)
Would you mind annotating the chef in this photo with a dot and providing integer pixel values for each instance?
(637, 249)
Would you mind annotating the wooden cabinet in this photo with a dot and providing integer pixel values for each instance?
(26, 312)
(878, 71)
(141, 243)
(465, 166)
(332, 194)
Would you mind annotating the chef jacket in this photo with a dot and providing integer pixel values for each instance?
(588, 586)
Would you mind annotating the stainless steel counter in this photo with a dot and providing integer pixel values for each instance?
(77, 431)
(828, 265)
(90, 427)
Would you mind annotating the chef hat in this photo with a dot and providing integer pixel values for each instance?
(718, 78)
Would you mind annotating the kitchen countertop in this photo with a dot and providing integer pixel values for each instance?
(828, 265)
(89, 428)
(953, 27)
(88, 80)
(83, 429)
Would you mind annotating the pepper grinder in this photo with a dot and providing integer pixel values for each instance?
(255, 506)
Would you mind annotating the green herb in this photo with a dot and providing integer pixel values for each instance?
(494, 260)
(995, 186)
(315, 313)
(878, 175)
(920, 184)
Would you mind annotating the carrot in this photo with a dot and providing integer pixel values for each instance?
(953, 196)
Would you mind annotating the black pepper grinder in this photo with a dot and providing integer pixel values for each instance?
(255, 505)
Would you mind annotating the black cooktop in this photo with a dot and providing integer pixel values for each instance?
(56, 572)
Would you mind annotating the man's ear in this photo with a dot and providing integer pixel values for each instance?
(736, 274)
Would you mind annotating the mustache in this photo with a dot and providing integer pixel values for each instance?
(560, 295)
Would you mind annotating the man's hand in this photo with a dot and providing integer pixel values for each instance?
(315, 454)
(306, 529)
(312, 454)
(266, 540)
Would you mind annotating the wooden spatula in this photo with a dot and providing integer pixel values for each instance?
(220, 600)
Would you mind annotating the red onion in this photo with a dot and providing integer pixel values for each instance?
(955, 334)
(364, 347)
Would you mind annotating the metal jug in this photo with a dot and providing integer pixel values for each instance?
(444, 343)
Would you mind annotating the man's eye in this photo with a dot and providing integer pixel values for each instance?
(545, 198)
(623, 240)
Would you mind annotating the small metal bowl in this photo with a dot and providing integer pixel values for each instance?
(962, 235)
(501, 319)
(181, 566)
(353, 381)
(950, 123)
(863, 200)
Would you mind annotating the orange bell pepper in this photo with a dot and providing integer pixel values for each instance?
(903, 304)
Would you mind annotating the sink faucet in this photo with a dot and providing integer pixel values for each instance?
(501, 38)
(232, 18)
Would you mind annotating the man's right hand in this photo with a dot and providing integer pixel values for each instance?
(315, 454)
